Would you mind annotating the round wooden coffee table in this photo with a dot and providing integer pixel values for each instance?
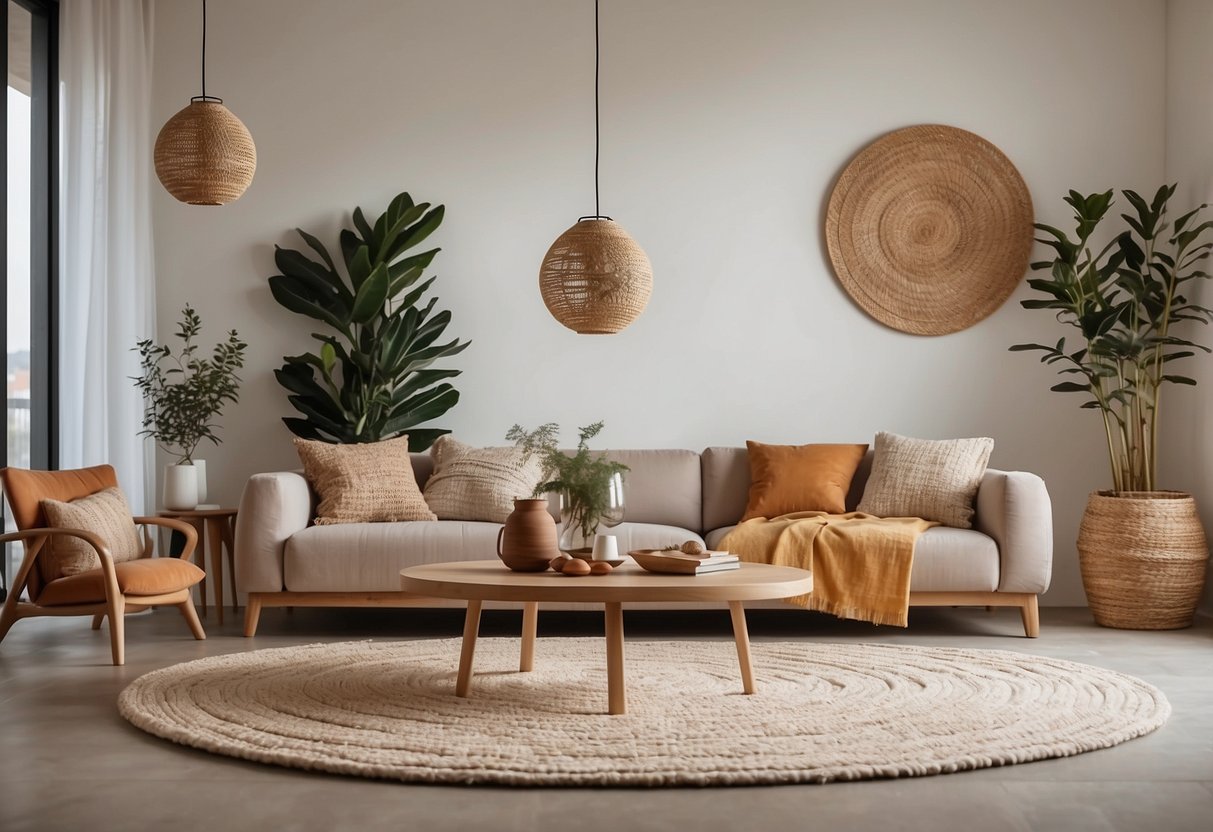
(489, 580)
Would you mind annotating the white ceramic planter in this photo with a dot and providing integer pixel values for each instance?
(200, 467)
(180, 487)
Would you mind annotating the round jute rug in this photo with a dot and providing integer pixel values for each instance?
(822, 711)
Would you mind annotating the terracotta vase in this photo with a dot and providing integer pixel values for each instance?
(527, 541)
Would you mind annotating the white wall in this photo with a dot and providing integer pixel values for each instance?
(1187, 451)
(724, 126)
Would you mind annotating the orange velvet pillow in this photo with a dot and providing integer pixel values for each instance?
(788, 478)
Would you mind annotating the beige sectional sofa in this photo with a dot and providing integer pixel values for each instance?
(672, 496)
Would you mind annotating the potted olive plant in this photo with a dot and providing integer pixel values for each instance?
(590, 487)
(1142, 549)
(184, 393)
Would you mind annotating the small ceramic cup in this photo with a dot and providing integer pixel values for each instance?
(606, 547)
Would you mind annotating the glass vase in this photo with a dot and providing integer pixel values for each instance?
(579, 523)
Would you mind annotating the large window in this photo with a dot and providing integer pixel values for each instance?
(31, 218)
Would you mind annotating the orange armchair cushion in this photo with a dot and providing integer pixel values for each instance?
(147, 576)
(27, 489)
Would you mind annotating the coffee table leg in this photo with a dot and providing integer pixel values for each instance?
(530, 623)
(742, 636)
(617, 698)
(471, 626)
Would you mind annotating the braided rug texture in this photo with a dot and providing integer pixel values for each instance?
(822, 712)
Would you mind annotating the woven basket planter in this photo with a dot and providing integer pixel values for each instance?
(1143, 556)
(595, 279)
(205, 155)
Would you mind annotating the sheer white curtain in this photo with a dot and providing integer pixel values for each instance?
(107, 287)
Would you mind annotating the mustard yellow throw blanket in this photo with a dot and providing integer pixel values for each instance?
(860, 563)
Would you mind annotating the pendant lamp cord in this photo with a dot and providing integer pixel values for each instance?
(204, 49)
(597, 139)
(597, 130)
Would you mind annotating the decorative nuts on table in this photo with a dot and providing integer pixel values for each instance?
(576, 567)
(600, 567)
(557, 563)
(693, 547)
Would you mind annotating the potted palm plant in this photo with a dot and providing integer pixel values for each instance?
(590, 487)
(184, 393)
(1142, 550)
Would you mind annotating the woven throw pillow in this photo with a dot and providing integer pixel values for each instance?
(105, 514)
(935, 479)
(788, 478)
(472, 483)
(371, 482)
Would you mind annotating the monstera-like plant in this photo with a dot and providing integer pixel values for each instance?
(371, 379)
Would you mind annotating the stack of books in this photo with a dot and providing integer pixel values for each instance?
(679, 563)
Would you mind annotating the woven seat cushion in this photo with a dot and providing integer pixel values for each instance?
(935, 479)
(371, 482)
(145, 576)
(471, 483)
(105, 514)
(790, 478)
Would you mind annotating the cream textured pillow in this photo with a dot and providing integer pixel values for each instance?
(371, 482)
(935, 479)
(105, 514)
(472, 483)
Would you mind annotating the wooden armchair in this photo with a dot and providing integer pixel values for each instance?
(112, 590)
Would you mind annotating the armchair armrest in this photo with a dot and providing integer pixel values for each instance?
(191, 534)
(1014, 508)
(273, 507)
(32, 551)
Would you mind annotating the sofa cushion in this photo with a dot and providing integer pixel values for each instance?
(363, 483)
(105, 514)
(935, 479)
(471, 483)
(145, 576)
(790, 478)
(368, 557)
(945, 560)
(662, 487)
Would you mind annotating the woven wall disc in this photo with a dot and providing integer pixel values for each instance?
(595, 279)
(205, 155)
(929, 229)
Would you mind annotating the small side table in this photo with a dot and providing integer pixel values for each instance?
(218, 525)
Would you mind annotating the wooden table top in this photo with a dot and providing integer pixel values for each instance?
(490, 580)
(197, 512)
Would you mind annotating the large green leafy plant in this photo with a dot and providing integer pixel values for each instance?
(185, 392)
(371, 379)
(583, 478)
(1124, 301)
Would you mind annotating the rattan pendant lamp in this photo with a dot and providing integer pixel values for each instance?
(595, 279)
(204, 154)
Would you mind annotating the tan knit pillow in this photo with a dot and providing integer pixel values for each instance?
(471, 483)
(371, 482)
(935, 479)
(105, 514)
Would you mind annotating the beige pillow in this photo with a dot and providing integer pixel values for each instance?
(371, 482)
(935, 479)
(471, 483)
(105, 514)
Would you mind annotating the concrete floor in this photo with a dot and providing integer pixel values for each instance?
(68, 761)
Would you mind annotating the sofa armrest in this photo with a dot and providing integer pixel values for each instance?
(273, 507)
(1014, 508)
